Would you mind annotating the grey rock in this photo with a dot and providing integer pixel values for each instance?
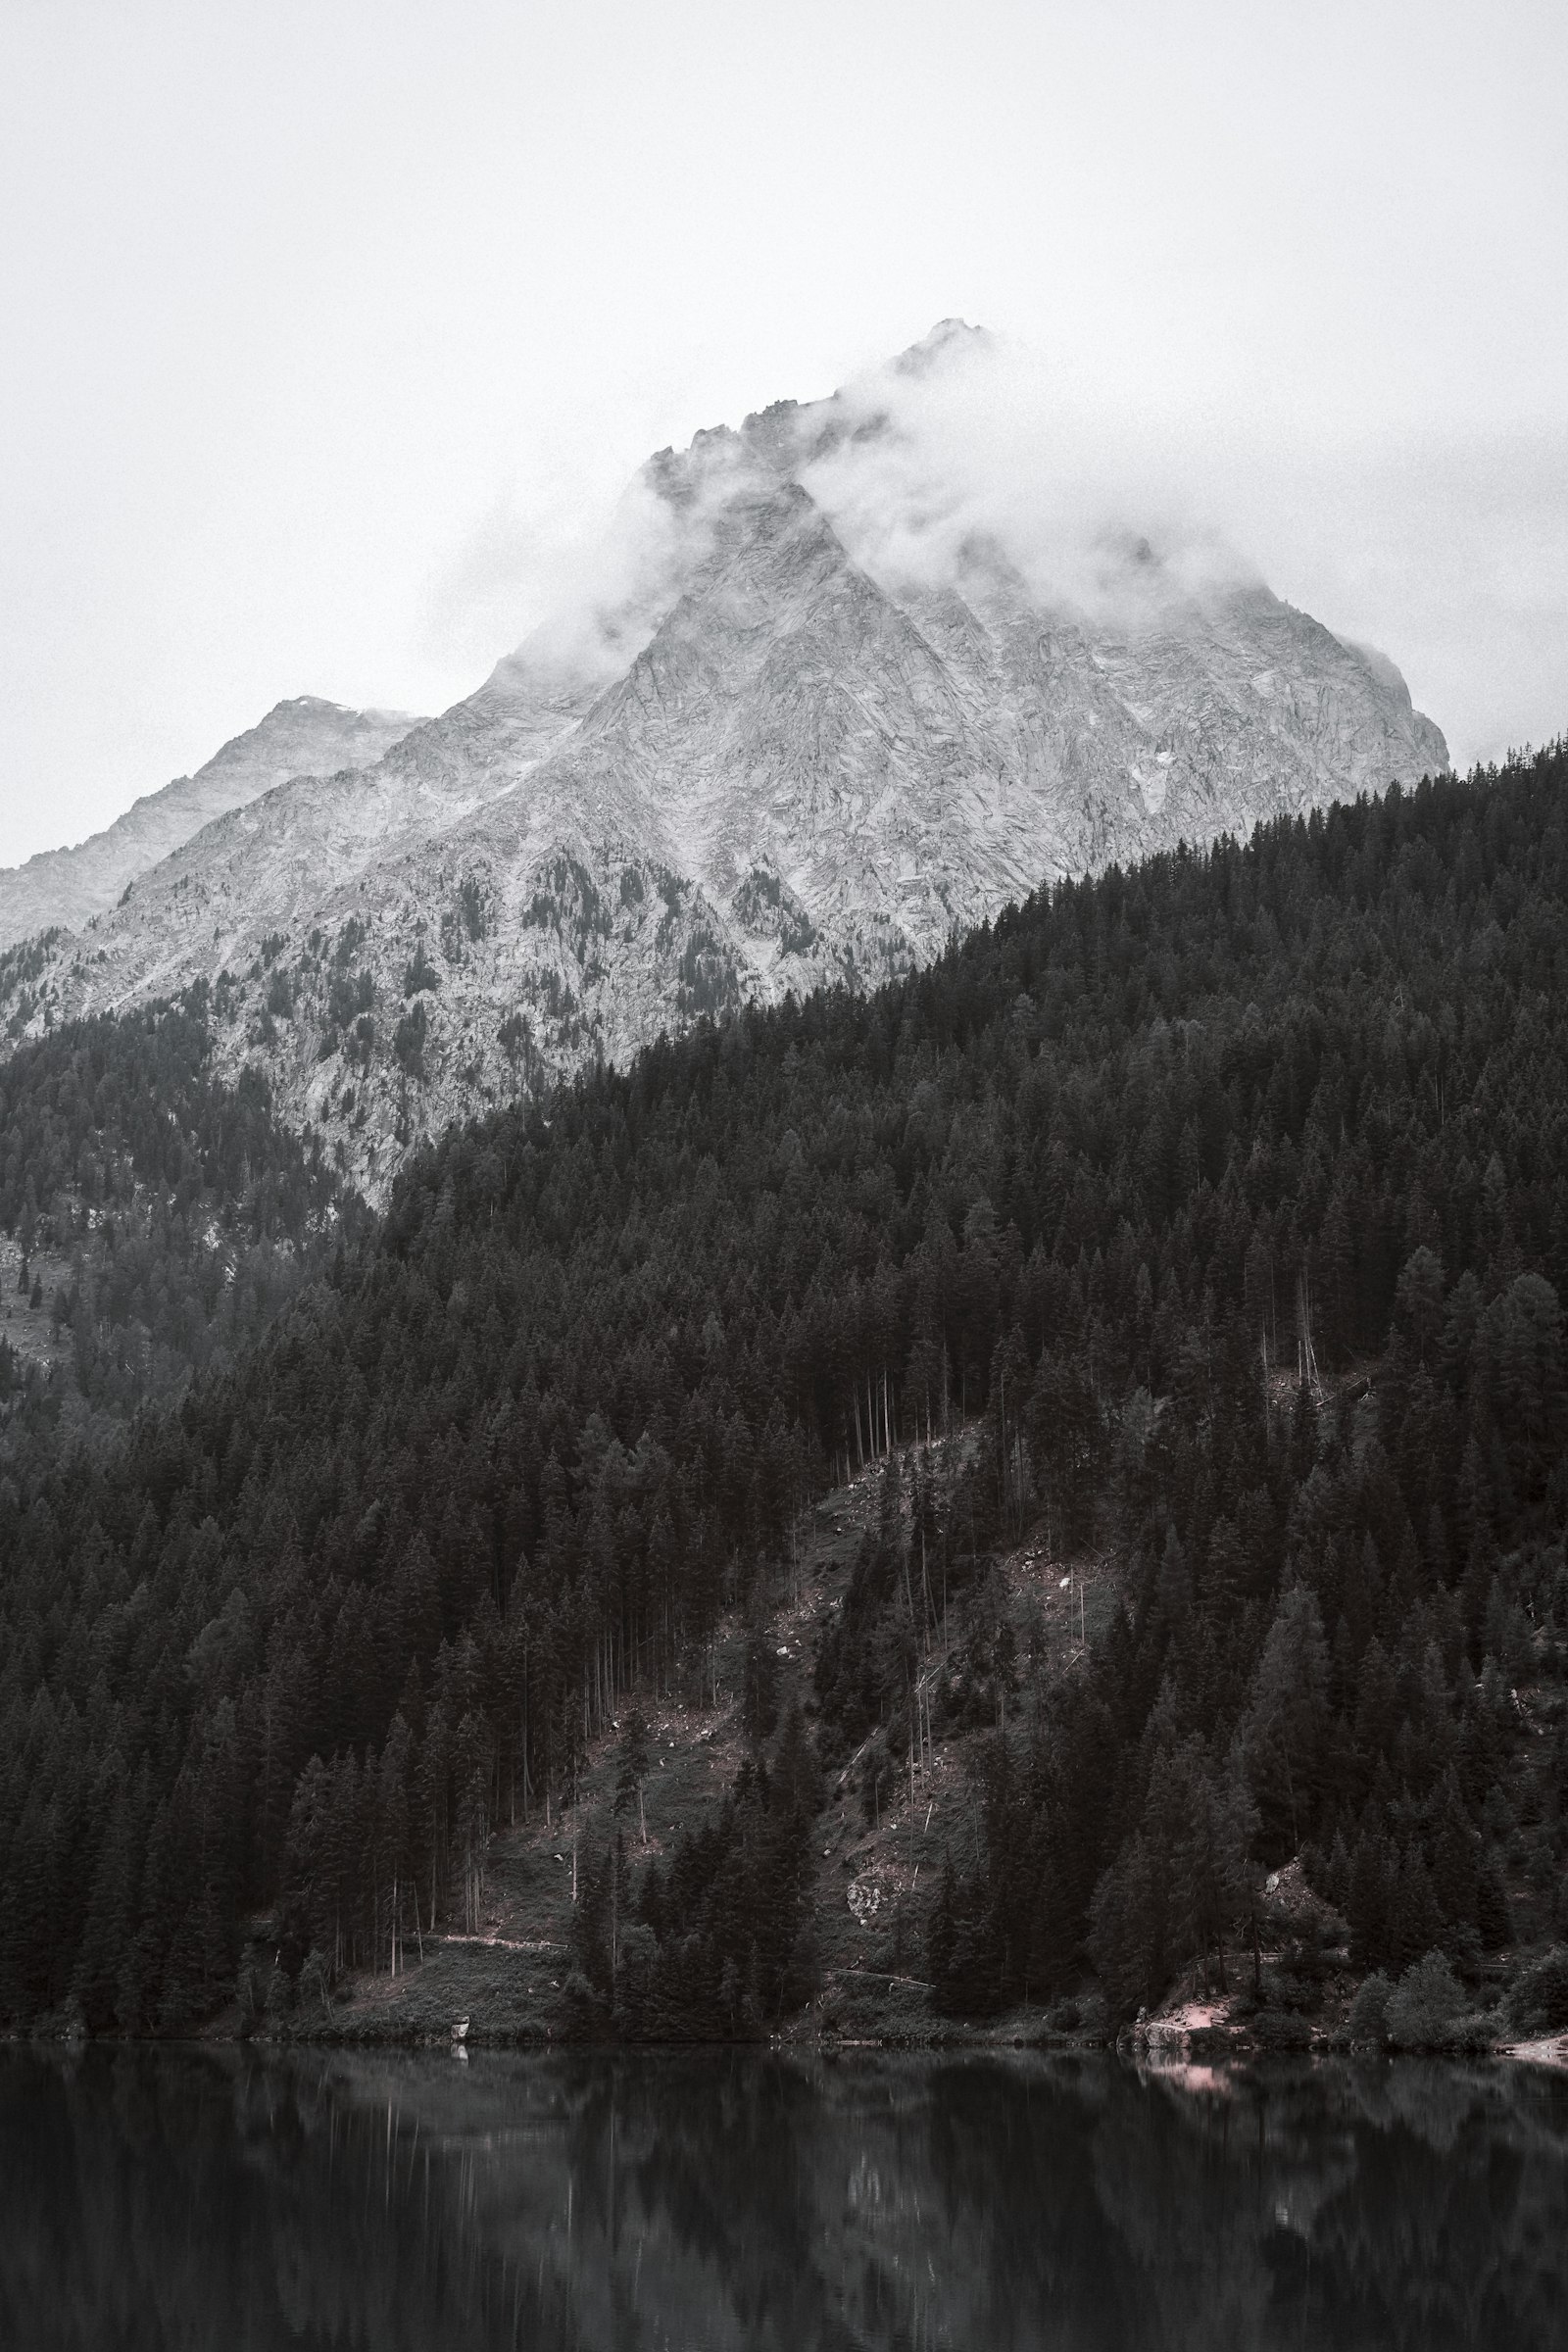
(748, 764)
(305, 737)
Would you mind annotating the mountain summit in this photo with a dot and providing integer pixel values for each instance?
(816, 705)
(303, 737)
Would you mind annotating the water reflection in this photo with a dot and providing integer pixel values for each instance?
(200, 2198)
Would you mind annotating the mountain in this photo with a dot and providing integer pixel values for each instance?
(932, 1502)
(305, 737)
(789, 731)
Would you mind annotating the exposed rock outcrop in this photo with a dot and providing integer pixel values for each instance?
(759, 753)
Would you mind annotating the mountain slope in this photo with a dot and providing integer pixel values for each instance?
(1202, 1228)
(759, 753)
(152, 1221)
(305, 737)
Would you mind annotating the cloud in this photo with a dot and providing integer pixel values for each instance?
(959, 460)
(588, 599)
(970, 449)
(954, 460)
(1445, 547)
(971, 455)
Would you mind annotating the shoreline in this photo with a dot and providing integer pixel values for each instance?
(1153, 2048)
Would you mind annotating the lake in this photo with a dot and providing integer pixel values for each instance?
(666, 2201)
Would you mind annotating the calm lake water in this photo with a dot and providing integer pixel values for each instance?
(230, 2199)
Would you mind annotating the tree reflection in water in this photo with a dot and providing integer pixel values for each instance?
(158, 2199)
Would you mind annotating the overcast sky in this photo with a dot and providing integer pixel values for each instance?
(325, 329)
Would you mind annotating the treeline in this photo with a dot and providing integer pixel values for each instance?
(1227, 1199)
(174, 1213)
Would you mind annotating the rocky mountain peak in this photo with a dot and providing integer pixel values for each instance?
(810, 712)
(304, 736)
(948, 339)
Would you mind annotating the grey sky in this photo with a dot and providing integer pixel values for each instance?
(326, 328)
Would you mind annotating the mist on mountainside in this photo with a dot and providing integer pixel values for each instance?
(961, 454)
(832, 685)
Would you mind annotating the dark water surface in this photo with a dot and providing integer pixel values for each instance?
(230, 2199)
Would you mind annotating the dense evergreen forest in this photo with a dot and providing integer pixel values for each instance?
(159, 1218)
(1213, 1215)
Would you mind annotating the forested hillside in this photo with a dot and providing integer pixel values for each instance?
(1217, 1213)
(155, 1219)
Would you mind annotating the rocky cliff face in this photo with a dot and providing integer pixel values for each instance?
(754, 759)
(306, 737)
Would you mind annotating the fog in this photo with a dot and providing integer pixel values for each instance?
(333, 334)
(971, 445)
(1447, 551)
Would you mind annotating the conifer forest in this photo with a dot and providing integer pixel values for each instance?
(1207, 1220)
